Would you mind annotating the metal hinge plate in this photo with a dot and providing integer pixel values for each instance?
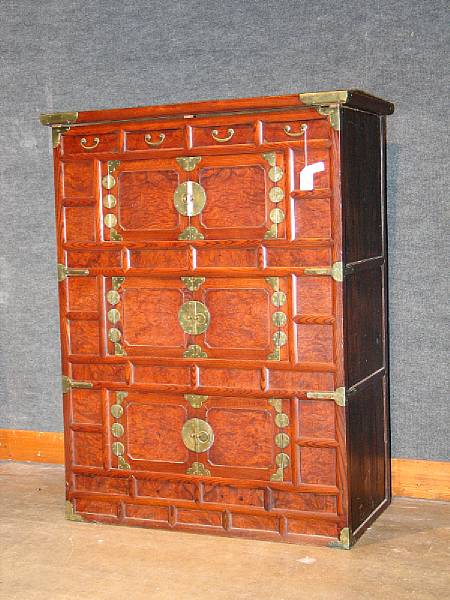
(64, 272)
(68, 384)
(336, 271)
(338, 396)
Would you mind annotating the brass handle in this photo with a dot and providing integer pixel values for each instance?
(287, 131)
(148, 139)
(94, 145)
(215, 134)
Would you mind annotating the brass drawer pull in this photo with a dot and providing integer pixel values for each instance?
(148, 139)
(215, 134)
(287, 131)
(94, 145)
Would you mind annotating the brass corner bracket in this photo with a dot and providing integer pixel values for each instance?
(68, 384)
(327, 104)
(344, 540)
(339, 396)
(336, 271)
(59, 122)
(70, 514)
(64, 272)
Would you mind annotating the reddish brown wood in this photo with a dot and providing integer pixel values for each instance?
(239, 497)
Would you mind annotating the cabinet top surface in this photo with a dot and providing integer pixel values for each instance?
(348, 98)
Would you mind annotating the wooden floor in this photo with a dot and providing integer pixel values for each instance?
(404, 555)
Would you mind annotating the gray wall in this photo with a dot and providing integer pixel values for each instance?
(69, 55)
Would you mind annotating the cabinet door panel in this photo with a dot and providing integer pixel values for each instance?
(229, 437)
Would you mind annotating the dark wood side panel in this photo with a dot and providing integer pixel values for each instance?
(361, 192)
(365, 313)
(366, 450)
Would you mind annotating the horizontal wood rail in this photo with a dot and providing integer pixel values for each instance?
(411, 478)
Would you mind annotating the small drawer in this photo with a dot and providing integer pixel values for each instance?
(223, 135)
(86, 143)
(294, 130)
(154, 139)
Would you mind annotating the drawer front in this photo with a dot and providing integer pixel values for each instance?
(154, 139)
(90, 143)
(294, 130)
(223, 135)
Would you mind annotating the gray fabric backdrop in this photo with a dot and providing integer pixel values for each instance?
(69, 55)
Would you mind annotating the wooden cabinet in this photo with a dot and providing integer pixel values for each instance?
(222, 283)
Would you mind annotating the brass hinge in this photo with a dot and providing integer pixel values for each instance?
(71, 515)
(64, 272)
(336, 271)
(68, 384)
(338, 396)
(344, 540)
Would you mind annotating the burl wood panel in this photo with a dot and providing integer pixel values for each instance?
(235, 197)
(249, 395)
(146, 200)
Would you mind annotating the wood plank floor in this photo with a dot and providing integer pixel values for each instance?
(404, 555)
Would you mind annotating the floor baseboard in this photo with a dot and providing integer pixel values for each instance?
(410, 478)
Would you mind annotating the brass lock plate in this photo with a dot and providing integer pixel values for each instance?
(189, 198)
(193, 317)
(197, 435)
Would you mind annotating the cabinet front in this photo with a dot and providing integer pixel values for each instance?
(201, 322)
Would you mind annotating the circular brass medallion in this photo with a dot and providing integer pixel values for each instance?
(117, 430)
(117, 448)
(278, 298)
(279, 338)
(114, 334)
(113, 315)
(282, 460)
(110, 220)
(113, 297)
(282, 440)
(197, 435)
(189, 198)
(108, 182)
(193, 317)
(275, 174)
(279, 318)
(276, 215)
(281, 420)
(109, 201)
(116, 411)
(276, 194)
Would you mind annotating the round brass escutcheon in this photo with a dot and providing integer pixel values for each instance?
(282, 460)
(109, 201)
(117, 448)
(110, 220)
(279, 338)
(117, 430)
(108, 182)
(275, 174)
(114, 334)
(276, 215)
(189, 198)
(278, 298)
(113, 315)
(113, 297)
(282, 440)
(279, 318)
(116, 411)
(276, 194)
(197, 435)
(193, 317)
(281, 420)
